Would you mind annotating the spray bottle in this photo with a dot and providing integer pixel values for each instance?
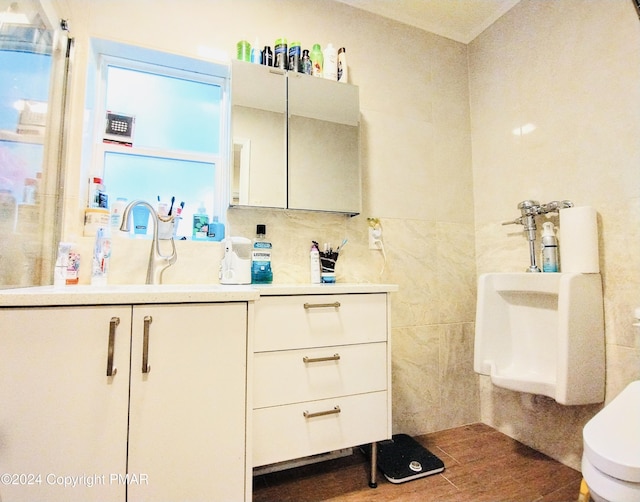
(549, 248)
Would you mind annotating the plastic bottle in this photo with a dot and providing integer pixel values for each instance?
(549, 248)
(317, 60)
(330, 67)
(306, 66)
(267, 56)
(200, 223)
(314, 263)
(117, 208)
(295, 56)
(261, 272)
(97, 195)
(243, 50)
(216, 230)
(62, 262)
(256, 53)
(343, 71)
(101, 256)
(280, 54)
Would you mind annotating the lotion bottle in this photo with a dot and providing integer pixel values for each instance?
(314, 263)
(549, 248)
(330, 67)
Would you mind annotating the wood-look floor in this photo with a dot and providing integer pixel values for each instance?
(481, 464)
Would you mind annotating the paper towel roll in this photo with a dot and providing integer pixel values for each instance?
(578, 240)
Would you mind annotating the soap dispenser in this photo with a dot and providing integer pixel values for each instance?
(549, 248)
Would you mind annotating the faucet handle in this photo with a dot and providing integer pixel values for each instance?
(517, 221)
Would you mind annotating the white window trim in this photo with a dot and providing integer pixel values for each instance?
(136, 58)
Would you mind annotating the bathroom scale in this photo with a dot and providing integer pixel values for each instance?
(403, 459)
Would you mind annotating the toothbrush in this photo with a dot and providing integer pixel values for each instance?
(173, 199)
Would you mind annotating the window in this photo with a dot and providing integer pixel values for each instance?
(179, 130)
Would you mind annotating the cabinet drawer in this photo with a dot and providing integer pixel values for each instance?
(295, 322)
(284, 377)
(284, 432)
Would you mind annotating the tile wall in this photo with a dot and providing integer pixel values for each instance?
(572, 69)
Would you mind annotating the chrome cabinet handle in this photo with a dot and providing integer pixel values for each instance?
(334, 357)
(308, 306)
(113, 324)
(145, 345)
(334, 411)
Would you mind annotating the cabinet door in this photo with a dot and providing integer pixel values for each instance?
(259, 128)
(63, 421)
(187, 413)
(323, 145)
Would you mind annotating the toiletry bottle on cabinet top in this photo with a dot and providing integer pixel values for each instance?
(317, 60)
(549, 248)
(261, 272)
(330, 67)
(314, 263)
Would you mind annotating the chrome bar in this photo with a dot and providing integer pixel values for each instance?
(145, 345)
(334, 357)
(113, 324)
(321, 305)
(334, 411)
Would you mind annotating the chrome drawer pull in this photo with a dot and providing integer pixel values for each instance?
(321, 305)
(334, 411)
(145, 345)
(111, 371)
(334, 357)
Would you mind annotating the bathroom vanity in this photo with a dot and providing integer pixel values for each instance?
(321, 370)
(177, 392)
(126, 393)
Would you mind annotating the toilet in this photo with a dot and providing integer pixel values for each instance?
(611, 458)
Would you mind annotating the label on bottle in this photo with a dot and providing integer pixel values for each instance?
(261, 263)
(280, 55)
(550, 258)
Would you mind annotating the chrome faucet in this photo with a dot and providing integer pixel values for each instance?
(529, 209)
(158, 262)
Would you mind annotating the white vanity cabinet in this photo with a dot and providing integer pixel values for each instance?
(171, 428)
(321, 374)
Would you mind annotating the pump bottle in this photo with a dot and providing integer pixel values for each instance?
(549, 248)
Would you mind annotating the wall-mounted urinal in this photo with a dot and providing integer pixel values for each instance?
(542, 333)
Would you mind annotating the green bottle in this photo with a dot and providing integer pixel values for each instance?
(317, 60)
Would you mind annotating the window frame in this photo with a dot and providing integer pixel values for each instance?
(135, 58)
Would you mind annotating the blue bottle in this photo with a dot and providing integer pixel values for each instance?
(261, 258)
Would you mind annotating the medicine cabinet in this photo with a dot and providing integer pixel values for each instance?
(296, 141)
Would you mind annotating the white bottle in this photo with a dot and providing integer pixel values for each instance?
(343, 70)
(549, 248)
(330, 68)
(101, 256)
(314, 262)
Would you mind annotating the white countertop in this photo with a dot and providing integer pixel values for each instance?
(49, 296)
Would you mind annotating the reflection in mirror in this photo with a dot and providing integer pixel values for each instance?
(33, 73)
(241, 166)
(324, 145)
(258, 130)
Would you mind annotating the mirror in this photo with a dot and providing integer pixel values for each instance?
(259, 125)
(324, 145)
(295, 141)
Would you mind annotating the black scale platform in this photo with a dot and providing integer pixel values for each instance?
(403, 459)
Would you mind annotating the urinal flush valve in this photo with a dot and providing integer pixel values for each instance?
(529, 209)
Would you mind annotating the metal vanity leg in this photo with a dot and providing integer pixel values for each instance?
(374, 465)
